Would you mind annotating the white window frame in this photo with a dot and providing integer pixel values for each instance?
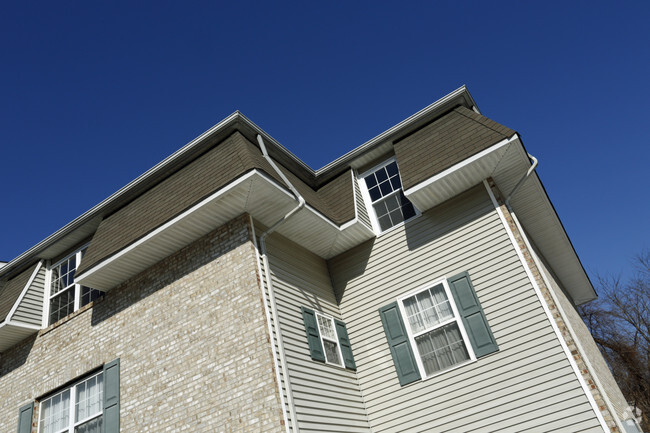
(73, 400)
(335, 341)
(48, 285)
(365, 192)
(456, 319)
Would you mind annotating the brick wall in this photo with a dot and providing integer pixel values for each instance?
(192, 340)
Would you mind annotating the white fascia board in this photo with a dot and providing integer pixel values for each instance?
(461, 165)
(80, 277)
(425, 112)
(22, 325)
(95, 210)
(25, 289)
(205, 202)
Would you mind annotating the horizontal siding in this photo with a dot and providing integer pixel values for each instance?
(326, 398)
(528, 385)
(362, 210)
(30, 309)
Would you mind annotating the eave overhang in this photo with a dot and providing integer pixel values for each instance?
(506, 162)
(254, 193)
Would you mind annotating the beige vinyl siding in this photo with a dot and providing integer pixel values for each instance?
(326, 397)
(527, 385)
(30, 309)
(592, 353)
(362, 210)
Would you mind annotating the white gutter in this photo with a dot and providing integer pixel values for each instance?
(269, 282)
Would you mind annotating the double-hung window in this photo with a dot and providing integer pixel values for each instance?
(435, 330)
(65, 295)
(329, 339)
(388, 203)
(77, 409)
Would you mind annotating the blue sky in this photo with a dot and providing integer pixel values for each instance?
(93, 95)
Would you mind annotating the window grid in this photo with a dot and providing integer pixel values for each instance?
(329, 340)
(388, 202)
(77, 409)
(66, 296)
(435, 331)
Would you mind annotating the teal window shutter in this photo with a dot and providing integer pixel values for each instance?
(25, 414)
(400, 347)
(476, 325)
(313, 336)
(344, 342)
(112, 397)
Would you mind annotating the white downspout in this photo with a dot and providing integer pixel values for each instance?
(269, 282)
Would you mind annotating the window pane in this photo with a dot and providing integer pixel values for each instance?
(331, 352)
(381, 174)
(92, 426)
(56, 413)
(326, 327)
(89, 398)
(370, 180)
(88, 295)
(395, 183)
(441, 348)
(62, 304)
(384, 222)
(392, 169)
(375, 194)
(385, 188)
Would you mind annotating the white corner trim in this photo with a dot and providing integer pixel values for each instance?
(269, 323)
(549, 316)
(460, 165)
(24, 291)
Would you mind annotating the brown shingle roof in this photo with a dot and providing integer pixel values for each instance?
(445, 142)
(213, 170)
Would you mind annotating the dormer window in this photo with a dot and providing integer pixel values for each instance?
(65, 296)
(384, 191)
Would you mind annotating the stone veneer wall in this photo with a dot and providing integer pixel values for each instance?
(192, 339)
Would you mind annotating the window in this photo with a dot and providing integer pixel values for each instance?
(436, 328)
(65, 295)
(388, 203)
(328, 339)
(90, 405)
(77, 409)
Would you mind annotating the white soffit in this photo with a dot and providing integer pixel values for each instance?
(255, 194)
(506, 162)
(12, 334)
(460, 177)
(534, 210)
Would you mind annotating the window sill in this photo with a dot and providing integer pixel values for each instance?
(70, 316)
